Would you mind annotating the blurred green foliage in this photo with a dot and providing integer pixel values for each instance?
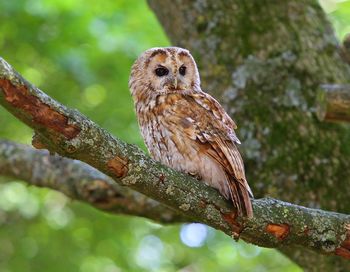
(80, 53)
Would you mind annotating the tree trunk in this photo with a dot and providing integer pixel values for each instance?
(264, 60)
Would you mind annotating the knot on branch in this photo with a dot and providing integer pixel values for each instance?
(101, 194)
(344, 249)
(119, 166)
(280, 231)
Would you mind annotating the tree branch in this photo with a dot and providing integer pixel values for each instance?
(69, 133)
(333, 103)
(79, 181)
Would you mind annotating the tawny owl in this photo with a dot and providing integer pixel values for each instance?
(184, 127)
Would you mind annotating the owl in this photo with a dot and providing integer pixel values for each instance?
(186, 128)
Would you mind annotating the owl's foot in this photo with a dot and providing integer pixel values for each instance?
(195, 175)
(235, 236)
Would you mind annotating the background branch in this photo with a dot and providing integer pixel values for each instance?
(67, 132)
(79, 181)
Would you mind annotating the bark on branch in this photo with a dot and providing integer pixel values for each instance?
(69, 133)
(333, 103)
(79, 181)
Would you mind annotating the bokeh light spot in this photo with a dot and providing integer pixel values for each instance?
(149, 252)
(193, 235)
(33, 75)
(94, 95)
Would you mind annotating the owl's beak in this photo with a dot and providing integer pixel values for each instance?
(175, 82)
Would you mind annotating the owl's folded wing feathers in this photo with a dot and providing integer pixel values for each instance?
(213, 128)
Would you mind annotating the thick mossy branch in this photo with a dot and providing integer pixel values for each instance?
(275, 223)
(79, 181)
(333, 103)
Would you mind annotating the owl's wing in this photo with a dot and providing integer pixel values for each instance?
(217, 111)
(213, 128)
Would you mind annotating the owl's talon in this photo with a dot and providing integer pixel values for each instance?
(235, 236)
(195, 175)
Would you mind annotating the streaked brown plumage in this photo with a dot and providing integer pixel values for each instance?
(185, 128)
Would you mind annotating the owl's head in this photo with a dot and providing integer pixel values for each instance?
(164, 69)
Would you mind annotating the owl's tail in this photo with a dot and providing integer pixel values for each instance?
(241, 194)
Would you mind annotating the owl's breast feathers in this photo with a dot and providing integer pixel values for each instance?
(196, 121)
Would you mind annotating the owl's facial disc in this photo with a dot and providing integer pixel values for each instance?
(171, 70)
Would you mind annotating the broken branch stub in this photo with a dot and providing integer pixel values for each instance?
(333, 103)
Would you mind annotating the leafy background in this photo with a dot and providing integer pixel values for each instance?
(80, 53)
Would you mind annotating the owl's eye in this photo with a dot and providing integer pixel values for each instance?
(182, 70)
(161, 71)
